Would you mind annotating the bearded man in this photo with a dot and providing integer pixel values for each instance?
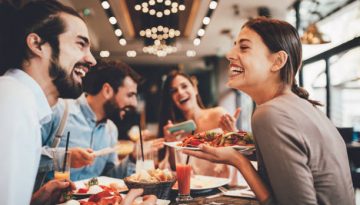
(110, 88)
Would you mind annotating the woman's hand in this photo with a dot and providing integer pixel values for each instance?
(168, 136)
(224, 155)
(134, 193)
(228, 123)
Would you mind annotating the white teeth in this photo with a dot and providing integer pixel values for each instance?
(80, 71)
(237, 69)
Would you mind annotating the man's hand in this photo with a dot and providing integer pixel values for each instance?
(228, 122)
(52, 192)
(134, 193)
(81, 157)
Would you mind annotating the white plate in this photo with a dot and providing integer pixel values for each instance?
(244, 149)
(106, 181)
(137, 201)
(200, 182)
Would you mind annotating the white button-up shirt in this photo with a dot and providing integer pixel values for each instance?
(23, 108)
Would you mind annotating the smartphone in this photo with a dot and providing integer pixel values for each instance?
(188, 126)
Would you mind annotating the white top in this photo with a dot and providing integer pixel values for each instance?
(23, 108)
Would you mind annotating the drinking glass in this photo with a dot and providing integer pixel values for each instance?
(183, 173)
(61, 168)
(148, 162)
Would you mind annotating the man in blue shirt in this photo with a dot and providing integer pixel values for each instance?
(109, 87)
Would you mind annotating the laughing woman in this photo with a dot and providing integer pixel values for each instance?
(181, 102)
(302, 158)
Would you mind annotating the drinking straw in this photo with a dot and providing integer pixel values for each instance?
(66, 150)
(141, 140)
(188, 157)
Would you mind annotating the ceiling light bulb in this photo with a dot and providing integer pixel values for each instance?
(167, 2)
(118, 32)
(201, 32)
(144, 4)
(166, 29)
(182, 7)
(160, 28)
(145, 9)
(153, 36)
(105, 5)
(152, 12)
(174, 4)
(159, 14)
(157, 42)
(206, 20)
(112, 20)
(190, 53)
(131, 54)
(152, 2)
(159, 1)
(177, 33)
(104, 54)
(154, 29)
(213, 5)
(142, 33)
(137, 7)
(196, 41)
(167, 12)
(122, 41)
(174, 10)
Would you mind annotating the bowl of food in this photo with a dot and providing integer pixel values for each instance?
(156, 182)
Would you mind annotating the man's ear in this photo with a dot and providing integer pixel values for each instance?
(34, 43)
(280, 60)
(107, 91)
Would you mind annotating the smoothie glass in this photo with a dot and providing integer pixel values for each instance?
(183, 173)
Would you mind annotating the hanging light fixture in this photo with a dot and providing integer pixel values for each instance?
(312, 35)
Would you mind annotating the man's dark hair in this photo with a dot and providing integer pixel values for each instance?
(112, 72)
(41, 17)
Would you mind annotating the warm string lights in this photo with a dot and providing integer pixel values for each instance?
(160, 8)
(205, 22)
(113, 21)
(160, 33)
(159, 37)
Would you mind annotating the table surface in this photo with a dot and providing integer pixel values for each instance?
(200, 198)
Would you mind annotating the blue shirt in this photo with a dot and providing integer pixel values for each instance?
(85, 132)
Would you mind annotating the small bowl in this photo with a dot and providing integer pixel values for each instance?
(160, 189)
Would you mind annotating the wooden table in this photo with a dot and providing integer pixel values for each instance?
(200, 198)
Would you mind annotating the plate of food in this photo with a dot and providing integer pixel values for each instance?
(88, 187)
(242, 141)
(201, 183)
(109, 199)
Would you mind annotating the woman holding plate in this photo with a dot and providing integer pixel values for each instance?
(181, 102)
(302, 158)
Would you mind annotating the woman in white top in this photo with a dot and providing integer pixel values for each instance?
(181, 102)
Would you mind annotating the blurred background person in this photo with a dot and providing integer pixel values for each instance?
(110, 88)
(180, 102)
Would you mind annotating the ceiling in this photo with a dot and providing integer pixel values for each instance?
(226, 21)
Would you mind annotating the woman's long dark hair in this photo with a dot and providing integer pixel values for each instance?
(168, 109)
(281, 36)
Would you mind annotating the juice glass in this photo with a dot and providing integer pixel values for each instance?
(183, 173)
(61, 168)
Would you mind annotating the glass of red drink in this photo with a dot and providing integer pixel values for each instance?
(183, 173)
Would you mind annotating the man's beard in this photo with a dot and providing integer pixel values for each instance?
(111, 109)
(66, 86)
